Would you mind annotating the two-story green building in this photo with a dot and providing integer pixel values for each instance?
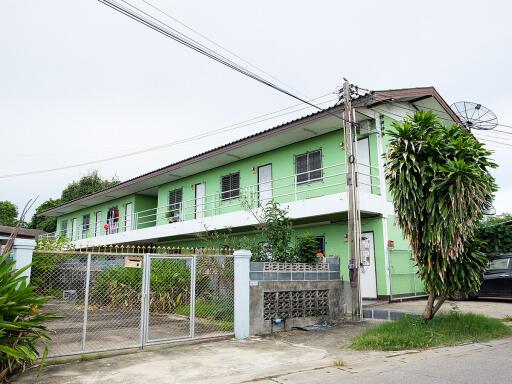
(300, 164)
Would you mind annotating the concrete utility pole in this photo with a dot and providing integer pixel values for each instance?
(354, 219)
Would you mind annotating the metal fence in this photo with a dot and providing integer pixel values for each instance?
(110, 301)
(404, 279)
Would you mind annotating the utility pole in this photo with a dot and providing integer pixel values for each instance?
(354, 219)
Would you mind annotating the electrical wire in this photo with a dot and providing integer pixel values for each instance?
(400, 116)
(220, 46)
(231, 127)
(443, 111)
(198, 47)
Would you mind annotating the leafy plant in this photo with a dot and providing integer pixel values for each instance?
(8, 213)
(120, 287)
(277, 232)
(45, 266)
(496, 236)
(22, 330)
(306, 249)
(439, 180)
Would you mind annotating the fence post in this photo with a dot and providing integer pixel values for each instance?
(86, 301)
(22, 250)
(242, 295)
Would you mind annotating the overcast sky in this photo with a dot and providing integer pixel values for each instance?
(80, 82)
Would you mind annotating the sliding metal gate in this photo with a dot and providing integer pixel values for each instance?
(110, 301)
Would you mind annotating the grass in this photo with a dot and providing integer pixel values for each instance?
(219, 314)
(412, 332)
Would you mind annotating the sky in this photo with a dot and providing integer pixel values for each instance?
(81, 82)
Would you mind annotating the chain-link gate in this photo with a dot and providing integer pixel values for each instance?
(109, 301)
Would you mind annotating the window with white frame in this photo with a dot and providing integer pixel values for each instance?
(97, 227)
(308, 167)
(175, 202)
(230, 186)
(86, 220)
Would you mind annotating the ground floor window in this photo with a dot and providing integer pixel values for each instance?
(320, 240)
(64, 227)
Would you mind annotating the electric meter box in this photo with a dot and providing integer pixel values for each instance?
(132, 262)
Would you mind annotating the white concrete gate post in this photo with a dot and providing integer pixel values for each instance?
(242, 259)
(22, 250)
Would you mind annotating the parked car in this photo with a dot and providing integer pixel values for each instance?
(497, 281)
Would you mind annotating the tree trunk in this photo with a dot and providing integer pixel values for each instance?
(432, 307)
(429, 307)
(440, 302)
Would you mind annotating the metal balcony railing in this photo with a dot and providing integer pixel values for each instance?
(328, 180)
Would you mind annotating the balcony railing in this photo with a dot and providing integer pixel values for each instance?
(331, 180)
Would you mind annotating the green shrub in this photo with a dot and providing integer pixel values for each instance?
(22, 333)
(306, 249)
(120, 287)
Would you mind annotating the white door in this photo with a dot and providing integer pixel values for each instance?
(73, 229)
(97, 225)
(264, 184)
(368, 277)
(363, 165)
(128, 216)
(200, 200)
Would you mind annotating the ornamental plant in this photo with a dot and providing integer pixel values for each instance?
(23, 334)
(440, 183)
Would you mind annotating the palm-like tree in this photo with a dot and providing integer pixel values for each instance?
(439, 180)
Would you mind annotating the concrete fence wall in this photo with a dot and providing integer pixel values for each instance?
(284, 295)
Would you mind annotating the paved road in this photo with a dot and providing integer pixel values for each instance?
(293, 357)
(475, 363)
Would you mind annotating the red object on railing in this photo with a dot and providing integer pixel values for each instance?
(105, 227)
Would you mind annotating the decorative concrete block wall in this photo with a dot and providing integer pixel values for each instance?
(297, 294)
(271, 271)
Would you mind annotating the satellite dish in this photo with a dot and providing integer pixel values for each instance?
(475, 116)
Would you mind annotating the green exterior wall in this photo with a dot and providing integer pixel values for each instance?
(283, 170)
(335, 245)
(140, 202)
(152, 210)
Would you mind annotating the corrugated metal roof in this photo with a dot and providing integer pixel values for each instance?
(375, 97)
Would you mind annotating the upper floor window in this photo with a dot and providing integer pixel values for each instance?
(86, 219)
(175, 200)
(308, 167)
(230, 186)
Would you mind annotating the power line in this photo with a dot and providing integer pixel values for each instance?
(400, 116)
(443, 111)
(196, 46)
(220, 46)
(231, 127)
(492, 136)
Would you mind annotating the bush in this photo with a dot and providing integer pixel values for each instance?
(306, 249)
(120, 287)
(21, 321)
